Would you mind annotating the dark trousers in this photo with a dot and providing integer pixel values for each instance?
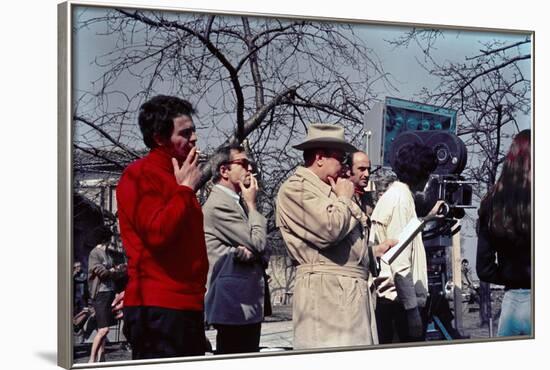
(238, 338)
(391, 320)
(156, 332)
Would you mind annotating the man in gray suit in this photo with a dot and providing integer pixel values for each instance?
(235, 235)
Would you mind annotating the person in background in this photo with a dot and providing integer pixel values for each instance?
(468, 286)
(80, 288)
(102, 274)
(504, 237)
(359, 174)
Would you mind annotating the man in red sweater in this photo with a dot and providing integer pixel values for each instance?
(161, 224)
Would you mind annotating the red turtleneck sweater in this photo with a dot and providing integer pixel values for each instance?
(161, 224)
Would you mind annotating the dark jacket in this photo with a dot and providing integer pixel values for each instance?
(501, 260)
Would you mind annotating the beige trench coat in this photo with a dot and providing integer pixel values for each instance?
(327, 237)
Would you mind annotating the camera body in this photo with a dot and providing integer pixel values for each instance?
(445, 183)
(390, 126)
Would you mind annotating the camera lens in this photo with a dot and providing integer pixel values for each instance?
(442, 154)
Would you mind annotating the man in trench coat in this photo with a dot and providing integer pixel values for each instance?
(326, 235)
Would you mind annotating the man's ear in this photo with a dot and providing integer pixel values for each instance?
(223, 171)
(320, 158)
(159, 140)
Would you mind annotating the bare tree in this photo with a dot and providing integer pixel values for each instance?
(255, 80)
(490, 90)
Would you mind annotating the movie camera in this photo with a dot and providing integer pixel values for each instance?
(389, 127)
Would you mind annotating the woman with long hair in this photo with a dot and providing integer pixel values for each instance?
(504, 237)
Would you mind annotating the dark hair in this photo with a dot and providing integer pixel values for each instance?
(507, 205)
(223, 156)
(156, 117)
(309, 156)
(414, 163)
(103, 234)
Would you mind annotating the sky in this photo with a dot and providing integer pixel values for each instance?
(406, 73)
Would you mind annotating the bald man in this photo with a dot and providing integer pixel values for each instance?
(359, 172)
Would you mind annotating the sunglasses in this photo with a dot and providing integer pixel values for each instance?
(242, 162)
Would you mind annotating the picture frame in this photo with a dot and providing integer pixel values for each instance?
(66, 159)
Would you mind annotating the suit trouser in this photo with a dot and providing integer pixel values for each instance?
(391, 320)
(157, 332)
(238, 338)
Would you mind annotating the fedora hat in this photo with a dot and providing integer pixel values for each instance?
(325, 135)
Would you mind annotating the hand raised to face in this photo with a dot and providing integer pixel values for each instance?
(188, 174)
(249, 193)
(342, 187)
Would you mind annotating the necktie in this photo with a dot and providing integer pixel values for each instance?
(243, 206)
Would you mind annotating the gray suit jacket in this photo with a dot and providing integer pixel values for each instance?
(235, 290)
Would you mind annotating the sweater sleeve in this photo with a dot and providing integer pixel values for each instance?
(156, 217)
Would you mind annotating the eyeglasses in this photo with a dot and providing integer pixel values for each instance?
(244, 162)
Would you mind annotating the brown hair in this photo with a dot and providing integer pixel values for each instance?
(507, 205)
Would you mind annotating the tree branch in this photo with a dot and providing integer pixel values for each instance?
(107, 136)
(484, 72)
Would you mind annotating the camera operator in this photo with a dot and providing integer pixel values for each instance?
(402, 286)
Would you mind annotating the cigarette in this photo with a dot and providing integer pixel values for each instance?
(253, 174)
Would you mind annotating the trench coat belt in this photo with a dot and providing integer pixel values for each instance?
(357, 272)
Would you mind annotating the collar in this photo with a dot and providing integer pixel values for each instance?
(310, 176)
(229, 192)
(162, 158)
(401, 185)
(236, 197)
(404, 189)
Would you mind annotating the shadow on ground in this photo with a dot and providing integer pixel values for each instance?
(50, 357)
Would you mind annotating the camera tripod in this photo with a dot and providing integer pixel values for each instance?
(440, 316)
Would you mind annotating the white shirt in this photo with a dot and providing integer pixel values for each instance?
(232, 194)
(406, 279)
